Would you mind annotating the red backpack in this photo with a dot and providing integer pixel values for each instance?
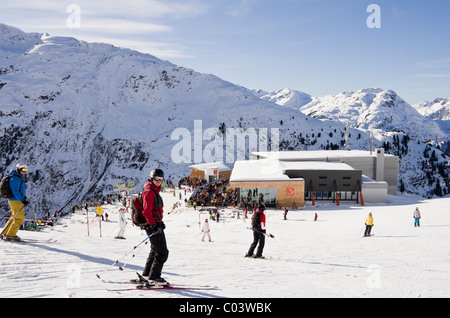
(137, 208)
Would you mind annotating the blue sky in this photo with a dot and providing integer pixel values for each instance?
(316, 46)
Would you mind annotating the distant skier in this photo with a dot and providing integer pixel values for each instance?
(206, 230)
(315, 216)
(416, 216)
(285, 214)
(122, 224)
(259, 229)
(369, 225)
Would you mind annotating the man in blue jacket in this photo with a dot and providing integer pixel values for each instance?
(17, 202)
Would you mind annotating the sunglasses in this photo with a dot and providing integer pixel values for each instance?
(158, 179)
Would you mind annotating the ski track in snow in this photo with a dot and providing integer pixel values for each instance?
(327, 258)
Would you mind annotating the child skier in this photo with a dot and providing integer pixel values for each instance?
(206, 230)
(416, 216)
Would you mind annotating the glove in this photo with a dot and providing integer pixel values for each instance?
(25, 202)
(155, 229)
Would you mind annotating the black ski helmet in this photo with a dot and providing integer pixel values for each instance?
(156, 173)
(261, 207)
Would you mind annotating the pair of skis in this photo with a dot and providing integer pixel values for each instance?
(144, 284)
(30, 241)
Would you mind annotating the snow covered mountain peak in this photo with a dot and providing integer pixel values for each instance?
(15, 40)
(288, 98)
(439, 109)
(366, 109)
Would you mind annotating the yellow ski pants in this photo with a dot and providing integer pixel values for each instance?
(12, 227)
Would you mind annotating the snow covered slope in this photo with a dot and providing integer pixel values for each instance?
(326, 258)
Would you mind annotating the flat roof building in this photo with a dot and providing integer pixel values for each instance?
(289, 178)
(375, 165)
(210, 171)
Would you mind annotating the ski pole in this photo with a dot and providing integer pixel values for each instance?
(132, 256)
(11, 220)
(126, 254)
(133, 249)
(361, 229)
(266, 234)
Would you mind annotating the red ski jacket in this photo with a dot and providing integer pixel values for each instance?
(153, 204)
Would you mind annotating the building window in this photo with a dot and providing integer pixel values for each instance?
(267, 196)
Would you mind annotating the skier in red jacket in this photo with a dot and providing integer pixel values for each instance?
(153, 212)
(259, 230)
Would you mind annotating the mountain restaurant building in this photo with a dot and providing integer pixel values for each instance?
(210, 171)
(264, 182)
(287, 179)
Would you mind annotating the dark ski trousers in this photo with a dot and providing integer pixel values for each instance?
(368, 229)
(157, 257)
(257, 237)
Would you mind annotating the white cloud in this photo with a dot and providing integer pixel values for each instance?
(131, 8)
(440, 63)
(241, 8)
(119, 26)
(433, 75)
(161, 50)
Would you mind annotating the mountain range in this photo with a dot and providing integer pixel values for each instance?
(88, 116)
(371, 109)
